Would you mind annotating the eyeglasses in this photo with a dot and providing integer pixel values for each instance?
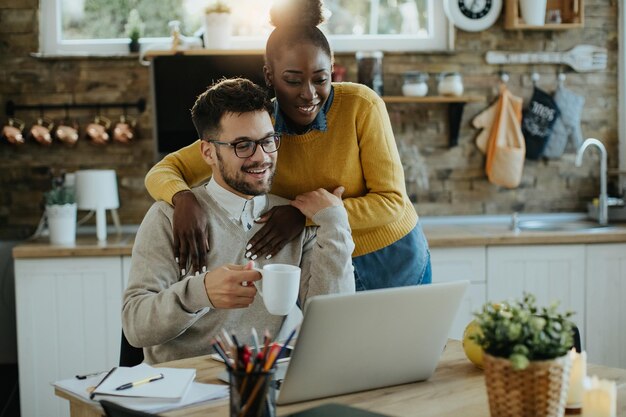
(246, 148)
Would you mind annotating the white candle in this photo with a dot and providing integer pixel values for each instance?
(576, 378)
(599, 398)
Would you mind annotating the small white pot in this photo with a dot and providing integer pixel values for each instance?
(217, 30)
(533, 12)
(62, 224)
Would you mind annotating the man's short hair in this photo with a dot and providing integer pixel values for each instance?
(234, 95)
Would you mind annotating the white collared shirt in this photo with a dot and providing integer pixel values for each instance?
(239, 209)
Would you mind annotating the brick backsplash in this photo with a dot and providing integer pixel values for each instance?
(440, 180)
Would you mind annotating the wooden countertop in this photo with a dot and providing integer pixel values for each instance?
(438, 235)
(457, 388)
(86, 245)
(458, 235)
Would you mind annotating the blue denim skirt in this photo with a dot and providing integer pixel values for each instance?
(404, 262)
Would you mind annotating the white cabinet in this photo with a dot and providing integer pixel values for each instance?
(68, 322)
(606, 297)
(550, 272)
(457, 264)
(588, 279)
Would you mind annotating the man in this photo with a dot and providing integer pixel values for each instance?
(173, 317)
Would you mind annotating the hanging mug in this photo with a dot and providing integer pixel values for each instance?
(97, 130)
(40, 131)
(124, 130)
(12, 131)
(67, 132)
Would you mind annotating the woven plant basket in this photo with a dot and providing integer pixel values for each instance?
(540, 390)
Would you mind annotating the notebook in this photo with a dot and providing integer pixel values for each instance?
(196, 393)
(173, 385)
(371, 339)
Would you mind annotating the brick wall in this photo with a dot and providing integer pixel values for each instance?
(457, 184)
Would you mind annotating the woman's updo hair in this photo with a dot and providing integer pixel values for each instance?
(295, 23)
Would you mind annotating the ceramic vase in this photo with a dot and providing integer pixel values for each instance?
(533, 12)
(62, 223)
(217, 30)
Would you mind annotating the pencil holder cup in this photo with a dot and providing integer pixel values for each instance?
(252, 394)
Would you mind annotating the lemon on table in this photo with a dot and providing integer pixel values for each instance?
(472, 350)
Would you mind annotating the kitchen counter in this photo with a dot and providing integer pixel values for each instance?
(86, 245)
(460, 231)
(441, 231)
(454, 235)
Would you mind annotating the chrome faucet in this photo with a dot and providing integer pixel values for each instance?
(603, 209)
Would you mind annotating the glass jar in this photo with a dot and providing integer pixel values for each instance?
(450, 84)
(370, 70)
(415, 84)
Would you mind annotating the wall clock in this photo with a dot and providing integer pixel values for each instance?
(472, 15)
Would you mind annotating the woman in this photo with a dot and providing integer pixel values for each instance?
(333, 134)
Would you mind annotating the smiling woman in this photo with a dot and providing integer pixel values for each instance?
(97, 26)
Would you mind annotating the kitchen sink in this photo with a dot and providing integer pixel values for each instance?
(525, 223)
(559, 226)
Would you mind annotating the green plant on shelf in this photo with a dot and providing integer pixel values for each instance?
(134, 27)
(59, 194)
(523, 332)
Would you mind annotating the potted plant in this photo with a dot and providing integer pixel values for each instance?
(134, 29)
(61, 212)
(217, 25)
(525, 357)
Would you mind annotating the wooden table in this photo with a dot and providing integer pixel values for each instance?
(456, 389)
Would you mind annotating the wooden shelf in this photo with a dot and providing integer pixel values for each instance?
(201, 51)
(432, 99)
(455, 109)
(548, 26)
(572, 15)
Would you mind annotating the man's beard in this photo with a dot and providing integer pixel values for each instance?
(240, 184)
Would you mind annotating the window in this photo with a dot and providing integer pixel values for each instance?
(97, 26)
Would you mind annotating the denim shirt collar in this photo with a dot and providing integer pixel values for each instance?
(319, 123)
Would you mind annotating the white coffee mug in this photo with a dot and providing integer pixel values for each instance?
(279, 287)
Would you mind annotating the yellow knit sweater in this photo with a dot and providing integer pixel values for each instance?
(357, 151)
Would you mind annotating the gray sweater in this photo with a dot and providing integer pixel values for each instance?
(172, 318)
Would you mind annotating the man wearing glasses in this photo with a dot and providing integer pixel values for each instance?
(174, 314)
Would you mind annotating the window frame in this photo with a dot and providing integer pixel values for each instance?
(50, 42)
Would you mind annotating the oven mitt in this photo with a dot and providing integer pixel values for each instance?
(538, 120)
(485, 119)
(505, 147)
(568, 125)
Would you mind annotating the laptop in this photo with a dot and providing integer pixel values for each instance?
(370, 339)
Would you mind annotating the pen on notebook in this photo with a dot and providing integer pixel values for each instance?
(140, 382)
(92, 392)
(85, 376)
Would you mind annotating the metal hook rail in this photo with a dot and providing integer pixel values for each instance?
(11, 107)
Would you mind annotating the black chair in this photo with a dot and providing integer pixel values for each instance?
(129, 355)
(112, 409)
